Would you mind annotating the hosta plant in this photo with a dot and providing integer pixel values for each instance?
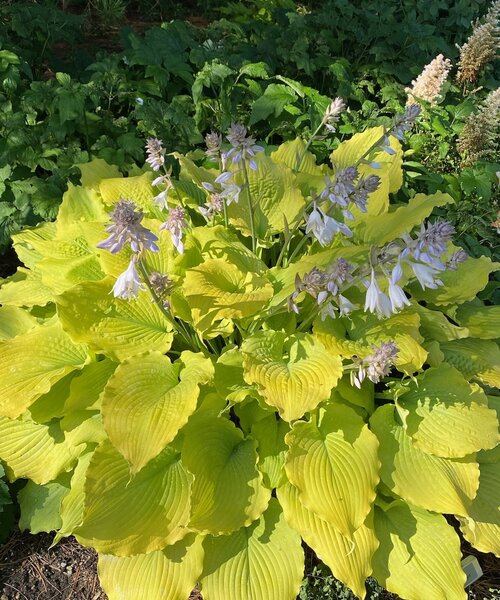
(202, 368)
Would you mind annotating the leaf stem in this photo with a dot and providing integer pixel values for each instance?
(250, 207)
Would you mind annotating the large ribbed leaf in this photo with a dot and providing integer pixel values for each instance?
(72, 503)
(148, 399)
(289, 154)
(168, 574)
(482, 527)
(110, 325)
(460, 285)
(15, 321)
(419, 554)
(124, 515)
(41, 504)
(353, 149)
(34, 451)
(218, 289)
(25, 288)
(138, 189)
(27, 243)
(31, 363)
(445, 485)
(270, 435)
(263, 561)
(79, 204)
(333, 463)
(481, 321)
(275, 197)
(293, 373)
(228, 491)
(475, 358)
(96, 170)
(349, 559)
(447, 416)
(86, 388)
(384, 228)
(228, 376)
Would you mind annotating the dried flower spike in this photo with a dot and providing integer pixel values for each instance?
(427, 86)
(479, 137)
(481, 47)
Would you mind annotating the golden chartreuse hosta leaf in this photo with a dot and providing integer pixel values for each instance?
(126, 515)
(112, 326)
(434, 325)
(293, 373)
(228, 376)
(32, 362)
(25, 288)
(217, 289)
(270, 435)
(445, 485)
(29, 243)
(14, 321)
(482, 527)
(41, 504)
(475, 359)
(419, 555)
(481, 321)
(80, 203)
(384, 228)
(290, 153)
(138, 189)
(95, 171)
(34, 451)
(228, 490)
(168, 574)
(262, 562)
(85, 390)
(275, 197)
(148, 399)
(459, 286)
(332, 461)
(447, 416)
(348, 558)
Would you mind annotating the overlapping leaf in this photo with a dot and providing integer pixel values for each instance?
(264, 560)
(333, 463)
(294, 374)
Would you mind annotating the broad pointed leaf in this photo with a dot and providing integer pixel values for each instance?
(348, 559)
(445, 485)
(111, 326)
(475, 358)
(124, 515)
(270, 435)
(148, 399)
(228, 491)
(419, 554)
(334, 465)
(293, 374)
(264, 560)
(41, 505)
(446, 416)
(31, 363)
(168, 574)
(481, 321)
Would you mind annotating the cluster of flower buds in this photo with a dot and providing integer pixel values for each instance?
(375, 366)
(332, 114)
(176, 223)
(126, 229)
(325, 287)
(162, 287)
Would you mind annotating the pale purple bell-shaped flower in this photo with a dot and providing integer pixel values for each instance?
(243, 146)
(155, 153)
(176, 223)
(376, 301)
(128, 284)
(426, 275)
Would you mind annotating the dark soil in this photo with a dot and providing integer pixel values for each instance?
(8, 263)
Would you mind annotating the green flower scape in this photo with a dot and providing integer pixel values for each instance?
(201, 370)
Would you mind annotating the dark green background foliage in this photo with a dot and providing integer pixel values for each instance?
(70, 90)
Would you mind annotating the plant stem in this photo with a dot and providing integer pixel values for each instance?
(250, 207)
(308, 145)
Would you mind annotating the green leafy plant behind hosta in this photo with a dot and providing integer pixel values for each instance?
(199, 372)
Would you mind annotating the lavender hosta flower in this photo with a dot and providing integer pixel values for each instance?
(426, 275)
(338, 274)
(405, 121)
(376, 301)
(324, 227)
(213, 142)
(243, 146)
(314, 283)
(338, 191)
(345, 306)
(156, 153)
(365, 186)
(176, 223)
(128, 284)
(376, 365)
(230, 193)
(161, 199)
(432, 240)
(213, 206)
(127, 229)
(332, 114)
(455, 259)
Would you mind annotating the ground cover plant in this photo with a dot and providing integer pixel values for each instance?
(235, 350)
(176, 82)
